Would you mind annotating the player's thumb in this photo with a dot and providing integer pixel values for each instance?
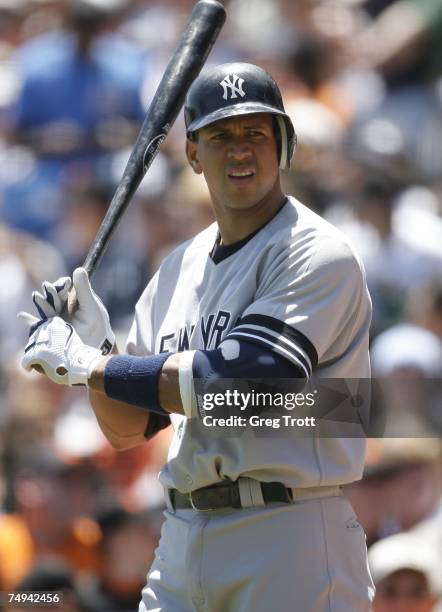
(85, 294)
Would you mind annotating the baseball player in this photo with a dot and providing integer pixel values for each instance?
(271, 290)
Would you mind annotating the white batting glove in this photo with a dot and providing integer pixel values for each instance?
(91, 319)
(55, 349)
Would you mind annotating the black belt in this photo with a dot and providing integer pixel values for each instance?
(226, 495)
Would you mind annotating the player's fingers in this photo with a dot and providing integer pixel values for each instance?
(85, 294)
(51, 296)
(28, 318)
(62, 286)
(43, 307)
(56, 295)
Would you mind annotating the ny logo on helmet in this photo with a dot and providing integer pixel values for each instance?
(234, 83)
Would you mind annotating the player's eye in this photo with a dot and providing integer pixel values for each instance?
(256, 133)
(219, 136)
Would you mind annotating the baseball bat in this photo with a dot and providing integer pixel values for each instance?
(196, 41)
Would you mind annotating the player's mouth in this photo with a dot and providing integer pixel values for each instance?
(242, 176)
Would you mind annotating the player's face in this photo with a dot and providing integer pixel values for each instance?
(239, 159)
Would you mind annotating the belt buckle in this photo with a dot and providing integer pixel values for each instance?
(195, 507)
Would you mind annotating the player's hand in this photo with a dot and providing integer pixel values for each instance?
(91, 319)
(54, 348)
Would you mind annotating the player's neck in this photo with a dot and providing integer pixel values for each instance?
(235, 224)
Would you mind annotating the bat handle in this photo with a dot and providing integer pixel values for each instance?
(70, 306)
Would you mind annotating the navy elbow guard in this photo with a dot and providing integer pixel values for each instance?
(243, 366)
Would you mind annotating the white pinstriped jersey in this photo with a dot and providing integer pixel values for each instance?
(296, 287)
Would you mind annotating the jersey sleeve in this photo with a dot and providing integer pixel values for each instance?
(310, 303)
(140, 343)
(140, 340)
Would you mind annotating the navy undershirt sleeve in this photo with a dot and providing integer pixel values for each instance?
(134, 380)
(263, 369)
(156, 423)
(253, 361)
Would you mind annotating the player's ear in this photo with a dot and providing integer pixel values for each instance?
(192, 156)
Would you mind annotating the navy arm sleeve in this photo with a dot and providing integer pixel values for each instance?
(248, 367)
(252, 361)
(134, 380)
(157, 422)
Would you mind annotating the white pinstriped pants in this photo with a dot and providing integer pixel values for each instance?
(307, 557)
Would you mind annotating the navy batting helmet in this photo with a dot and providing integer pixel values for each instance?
(229, 90)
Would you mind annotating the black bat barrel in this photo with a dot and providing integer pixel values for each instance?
(198, 38)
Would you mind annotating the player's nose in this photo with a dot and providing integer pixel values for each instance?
(239, 150)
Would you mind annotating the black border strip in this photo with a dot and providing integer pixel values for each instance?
(285, 330)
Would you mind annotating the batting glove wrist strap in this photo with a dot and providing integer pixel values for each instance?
(55, 349)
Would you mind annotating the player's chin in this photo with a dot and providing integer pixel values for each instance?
(244, 193)
(242, 203)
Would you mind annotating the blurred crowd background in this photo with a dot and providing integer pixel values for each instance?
(362, 81)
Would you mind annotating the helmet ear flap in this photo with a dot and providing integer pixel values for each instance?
(277, 132)
(286, 144)
(283, 160)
